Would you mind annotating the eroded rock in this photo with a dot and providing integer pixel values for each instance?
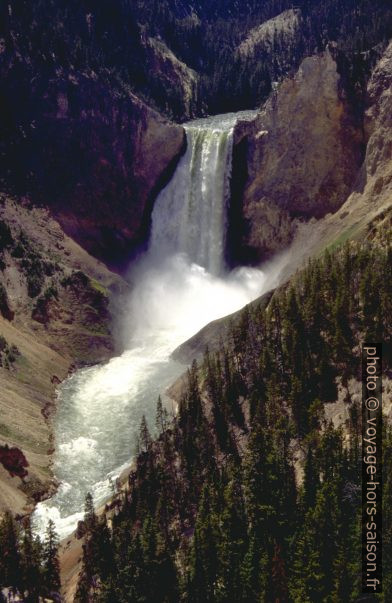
(303, 156)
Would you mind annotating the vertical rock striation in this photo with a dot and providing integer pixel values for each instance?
(303, 156)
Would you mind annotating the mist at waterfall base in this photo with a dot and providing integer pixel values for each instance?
(177, 288)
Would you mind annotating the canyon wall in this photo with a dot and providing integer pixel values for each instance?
(55, 315)
(302, 156)
(95, 154)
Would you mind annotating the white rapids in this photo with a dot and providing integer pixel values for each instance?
(179, 286)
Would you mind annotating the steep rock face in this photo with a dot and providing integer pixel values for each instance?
(378, 123)
(263, 37)
(367, 212)
(89, 149)
(302, 157)
(179, 81)
(127, 151)
(59, 300)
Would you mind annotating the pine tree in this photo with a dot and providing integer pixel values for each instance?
(90, 518)
(144, 435)
(31, 553)
(311, 481)
(254, 573)
(161, 420)
(97, 552)
(204, 566)
(232, 542)
(51, 564)
(10, 558)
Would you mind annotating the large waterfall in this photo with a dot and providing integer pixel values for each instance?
(190, 213)
(178, 287)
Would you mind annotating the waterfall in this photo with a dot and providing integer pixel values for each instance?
(190, 214)
(177, 288)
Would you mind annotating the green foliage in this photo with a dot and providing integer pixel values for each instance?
(28, 567)
(32, 264)
(51, 564)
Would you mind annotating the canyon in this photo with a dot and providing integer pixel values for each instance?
(106, 202)
(264, 224)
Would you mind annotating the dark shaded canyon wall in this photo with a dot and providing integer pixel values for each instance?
(88, 149)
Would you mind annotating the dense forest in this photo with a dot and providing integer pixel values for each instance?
(110, 39)
(28, 565)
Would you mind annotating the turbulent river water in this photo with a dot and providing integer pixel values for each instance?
(179, 286)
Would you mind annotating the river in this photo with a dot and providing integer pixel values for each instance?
(180, 285)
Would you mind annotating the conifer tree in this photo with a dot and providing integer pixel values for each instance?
(232, 543)
(144, 435)
(254, 572)
(161, 419)
(51, 564)
(31, 553)
(204, 567)
(10, 559)
(311, 480)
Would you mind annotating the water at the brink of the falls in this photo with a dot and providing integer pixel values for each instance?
(178, 287)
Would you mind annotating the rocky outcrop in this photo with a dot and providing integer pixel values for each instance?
(377, 168)
(179, 81)
(60, 301)
(125, 151)
(263, 37)
(367, 212)
(302, 157)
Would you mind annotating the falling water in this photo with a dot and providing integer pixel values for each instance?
(179, 286)
(190, 213)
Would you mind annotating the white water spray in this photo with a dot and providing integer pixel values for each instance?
(180, 286)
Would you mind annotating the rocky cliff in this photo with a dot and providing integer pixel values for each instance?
(91, 151)
(376, 175)
(367, 212)
(76, 133)
(180, 82)
(54, 313)
(302, 157)
(80, 124)
(263, 38)
(77, 139)
(124, 153)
